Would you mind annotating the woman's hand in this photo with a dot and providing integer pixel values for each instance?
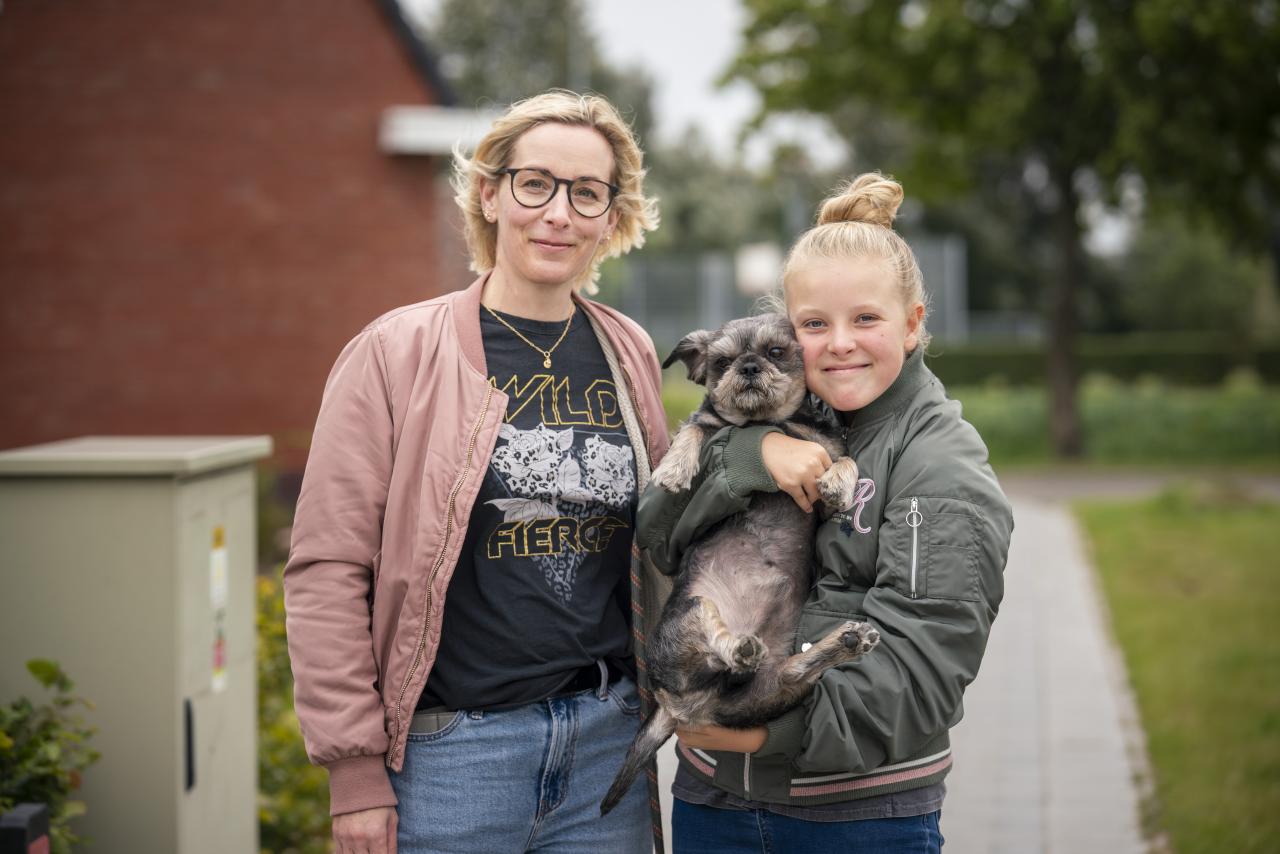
(723, 738)
(370, 831)
(796, 466)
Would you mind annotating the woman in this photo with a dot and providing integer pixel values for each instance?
(485, 448)
(859, 766)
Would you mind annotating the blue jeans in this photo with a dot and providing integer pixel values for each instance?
(525, 779)
(698, 829)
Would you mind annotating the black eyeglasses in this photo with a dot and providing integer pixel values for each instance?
(533, 188)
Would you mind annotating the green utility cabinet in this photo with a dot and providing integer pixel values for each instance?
(131, 562)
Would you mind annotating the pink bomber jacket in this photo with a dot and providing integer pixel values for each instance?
(406, 427)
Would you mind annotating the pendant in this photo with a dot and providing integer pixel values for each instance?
(546, 363)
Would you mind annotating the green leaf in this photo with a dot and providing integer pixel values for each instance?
(49, 674)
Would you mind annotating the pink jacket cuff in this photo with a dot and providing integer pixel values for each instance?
(359, 783)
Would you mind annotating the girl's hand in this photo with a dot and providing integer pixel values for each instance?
(722, 738)
(371, 831)
(796, 466)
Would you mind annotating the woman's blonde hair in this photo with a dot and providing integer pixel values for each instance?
(857, 222)
(636, 214)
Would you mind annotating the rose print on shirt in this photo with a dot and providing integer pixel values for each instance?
(553, 517)
(532, 462)
(610, 473)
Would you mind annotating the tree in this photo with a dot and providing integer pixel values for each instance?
(1042, 91)
(711, 205)
(1166, 270)
(1201, 122)
(496, 53)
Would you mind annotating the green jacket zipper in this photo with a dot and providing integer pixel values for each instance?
(914, 518)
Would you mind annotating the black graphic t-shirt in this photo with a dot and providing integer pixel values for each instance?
(541, 588)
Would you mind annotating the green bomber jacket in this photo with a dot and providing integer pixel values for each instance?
(920, 556)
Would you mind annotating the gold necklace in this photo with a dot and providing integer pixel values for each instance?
(546, 354)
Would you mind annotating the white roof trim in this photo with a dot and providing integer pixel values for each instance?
(432, 130)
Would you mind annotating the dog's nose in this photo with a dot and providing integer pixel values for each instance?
(749, 369)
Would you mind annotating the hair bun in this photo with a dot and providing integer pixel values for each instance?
(871, 198)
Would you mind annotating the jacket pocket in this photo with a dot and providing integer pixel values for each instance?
(936, 551)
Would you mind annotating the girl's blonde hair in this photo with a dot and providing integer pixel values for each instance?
(857, 222)
(636, 214)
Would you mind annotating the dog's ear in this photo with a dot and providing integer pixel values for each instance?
(692, 350)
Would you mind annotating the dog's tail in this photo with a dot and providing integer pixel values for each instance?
(652, 735)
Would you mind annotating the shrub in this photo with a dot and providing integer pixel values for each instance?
(293, 794)
(1147, 421)
(43, 751)
(1179, 358)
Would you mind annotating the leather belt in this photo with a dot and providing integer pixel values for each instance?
(596, 676)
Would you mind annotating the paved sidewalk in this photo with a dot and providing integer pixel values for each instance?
(1042, 757)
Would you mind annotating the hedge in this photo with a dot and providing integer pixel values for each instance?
(1148, 421)
(1178, 359)
(1144, 422)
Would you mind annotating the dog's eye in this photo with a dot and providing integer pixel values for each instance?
(723, 362)
(776, 352)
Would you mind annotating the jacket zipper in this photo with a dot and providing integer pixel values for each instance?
(746, 775)
(444, 548)
(914, 518)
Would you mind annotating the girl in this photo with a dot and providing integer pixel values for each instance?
(859, 766)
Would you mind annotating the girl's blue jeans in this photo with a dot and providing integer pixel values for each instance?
(698, 829)
(525, 779)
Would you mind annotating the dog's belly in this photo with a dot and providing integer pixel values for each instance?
(756, 569)
(756, 566)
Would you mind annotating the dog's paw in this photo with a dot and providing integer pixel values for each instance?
(859, 638)
(680, 466)
(673, 478)
(839, 484)
(748, 654)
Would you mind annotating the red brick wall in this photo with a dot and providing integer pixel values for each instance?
(194, 214)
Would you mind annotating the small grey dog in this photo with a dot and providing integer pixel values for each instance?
(721, 652)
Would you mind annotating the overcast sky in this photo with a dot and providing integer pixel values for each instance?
(685, 45)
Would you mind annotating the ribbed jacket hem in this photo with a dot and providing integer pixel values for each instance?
(359, 783)
(813, 789)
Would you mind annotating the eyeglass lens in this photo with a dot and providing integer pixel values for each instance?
(534, 188)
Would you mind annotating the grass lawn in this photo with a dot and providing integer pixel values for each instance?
(1193, 582)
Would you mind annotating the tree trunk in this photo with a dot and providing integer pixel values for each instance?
(1273, 240)
(1064, 414)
